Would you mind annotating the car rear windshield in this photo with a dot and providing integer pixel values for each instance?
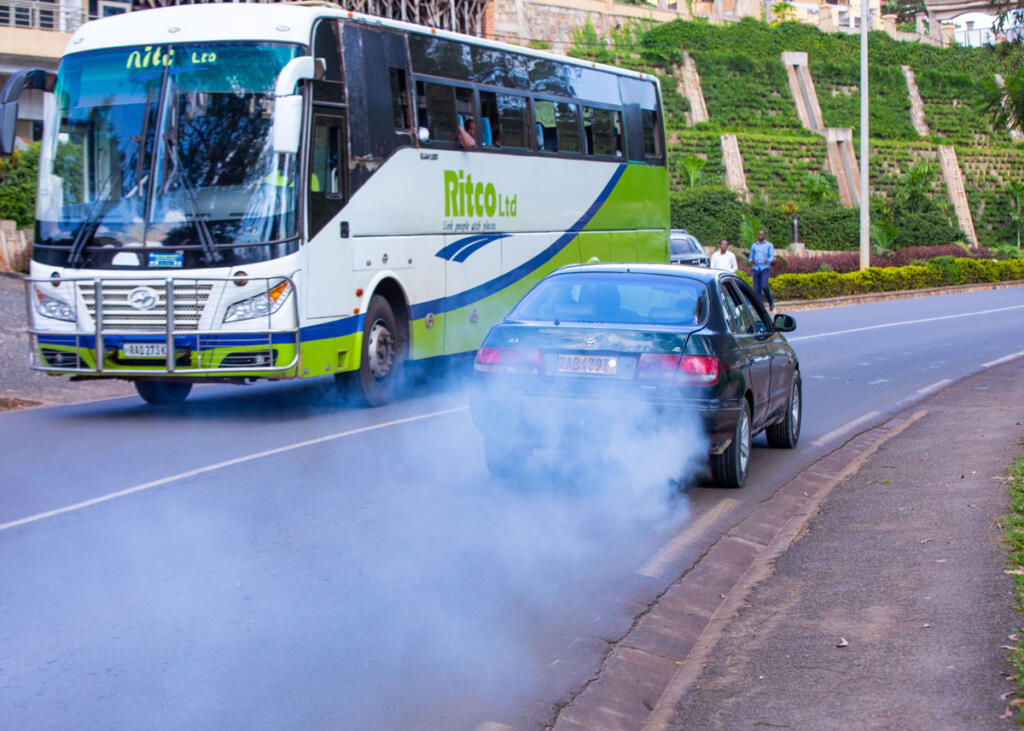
(685, 245)
(616, 297)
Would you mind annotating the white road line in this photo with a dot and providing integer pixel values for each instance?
(935, 386)
(903, 322)
(674, 548)
(221, 465)
(1004, 359)
(877, 381)
(835, 433)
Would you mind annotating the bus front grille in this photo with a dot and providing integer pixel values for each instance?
(120, 316)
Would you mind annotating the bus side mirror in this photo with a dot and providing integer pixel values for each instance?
(288, 104)
(8, 124)
(19, 81)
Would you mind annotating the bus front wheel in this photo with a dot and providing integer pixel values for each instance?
(383, 353)
(163, 392)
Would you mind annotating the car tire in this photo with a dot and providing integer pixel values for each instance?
(786, 433)
(504, 459)
(161, 393)
(382, 355)
(729, 469)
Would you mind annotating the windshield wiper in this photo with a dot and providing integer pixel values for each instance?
(91, 224)
(210, 253)
(170, 138)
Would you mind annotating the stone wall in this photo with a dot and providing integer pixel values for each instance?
(553, 21)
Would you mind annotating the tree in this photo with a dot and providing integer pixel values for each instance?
(884, 234)
(1005, 103)
(749, 228)
(18, 175)
(818, 188)
(692, 165)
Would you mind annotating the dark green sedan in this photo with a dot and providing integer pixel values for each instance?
(600, 344)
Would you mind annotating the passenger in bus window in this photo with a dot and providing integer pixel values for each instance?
(467, 134)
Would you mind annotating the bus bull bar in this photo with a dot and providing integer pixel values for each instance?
(109, 298)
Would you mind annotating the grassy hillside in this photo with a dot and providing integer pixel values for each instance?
(747, 93)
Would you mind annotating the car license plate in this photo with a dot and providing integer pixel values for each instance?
(600, 365)
(144, 350)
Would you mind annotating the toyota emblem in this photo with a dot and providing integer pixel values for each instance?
(590, 342)
(143, 298)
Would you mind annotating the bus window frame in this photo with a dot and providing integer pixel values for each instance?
(622, 131)
(578, 104)
(441, 81)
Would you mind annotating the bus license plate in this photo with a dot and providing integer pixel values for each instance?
(144, 350)
(600, 365)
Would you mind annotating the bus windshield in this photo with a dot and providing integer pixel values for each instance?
(167, 148)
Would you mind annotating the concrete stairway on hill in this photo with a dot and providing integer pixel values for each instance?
(957, 195)
(841, 161)
(916, 105)
(802, 87)
(692, 90)
(735, 178)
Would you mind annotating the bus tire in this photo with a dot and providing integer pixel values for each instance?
(382, 355)
(163, 392)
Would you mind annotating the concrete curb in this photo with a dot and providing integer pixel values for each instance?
(856, 299)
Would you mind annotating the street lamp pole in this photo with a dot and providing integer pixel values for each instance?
(865, 203)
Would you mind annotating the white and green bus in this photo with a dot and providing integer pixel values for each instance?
(234, 192)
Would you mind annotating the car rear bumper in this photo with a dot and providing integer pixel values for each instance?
(543, 420)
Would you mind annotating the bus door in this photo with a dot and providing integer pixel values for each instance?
(328, 268)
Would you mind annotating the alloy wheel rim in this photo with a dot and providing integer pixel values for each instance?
(794, 410)
(380, 350)
(744, 442)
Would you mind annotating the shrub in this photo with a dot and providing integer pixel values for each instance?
(711, 213)
(938, 272)
(18, 175)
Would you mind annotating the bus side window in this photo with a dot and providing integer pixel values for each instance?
(326, 171)
(490, 121)
(514, 120)
(435, 111)
(600, 128)
(401, 113)
(568, 127)
(652, 138)
(544, 114)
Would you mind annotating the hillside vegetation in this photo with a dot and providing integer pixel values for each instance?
(747, 93)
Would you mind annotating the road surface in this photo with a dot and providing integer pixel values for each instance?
(272, 557)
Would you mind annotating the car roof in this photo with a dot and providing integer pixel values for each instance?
(676, 270)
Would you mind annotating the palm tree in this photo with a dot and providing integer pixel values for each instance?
(1016, 189)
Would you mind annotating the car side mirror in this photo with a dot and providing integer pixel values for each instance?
(784, 323)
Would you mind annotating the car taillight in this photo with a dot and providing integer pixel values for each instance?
(657, 366)
(699, 370)
(507, 360)
(693, 370)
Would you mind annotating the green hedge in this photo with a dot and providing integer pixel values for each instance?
(744, 92)
(938, 272)
(838, 87)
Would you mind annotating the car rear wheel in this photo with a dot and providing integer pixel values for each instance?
(786, 433)
(505, 459)
(383, 353)
(163, 392)
(729, 469)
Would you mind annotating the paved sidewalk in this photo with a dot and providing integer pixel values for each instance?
(891, 610)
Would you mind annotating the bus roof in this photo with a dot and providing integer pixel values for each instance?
(272, 22)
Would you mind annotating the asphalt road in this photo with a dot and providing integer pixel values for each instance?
(271, 557)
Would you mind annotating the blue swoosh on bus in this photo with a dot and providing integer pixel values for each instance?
(462, 249)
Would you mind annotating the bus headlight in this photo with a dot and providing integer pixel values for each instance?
(261, 305)
(54, 308)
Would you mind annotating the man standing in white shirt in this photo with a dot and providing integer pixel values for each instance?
(723, 258)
